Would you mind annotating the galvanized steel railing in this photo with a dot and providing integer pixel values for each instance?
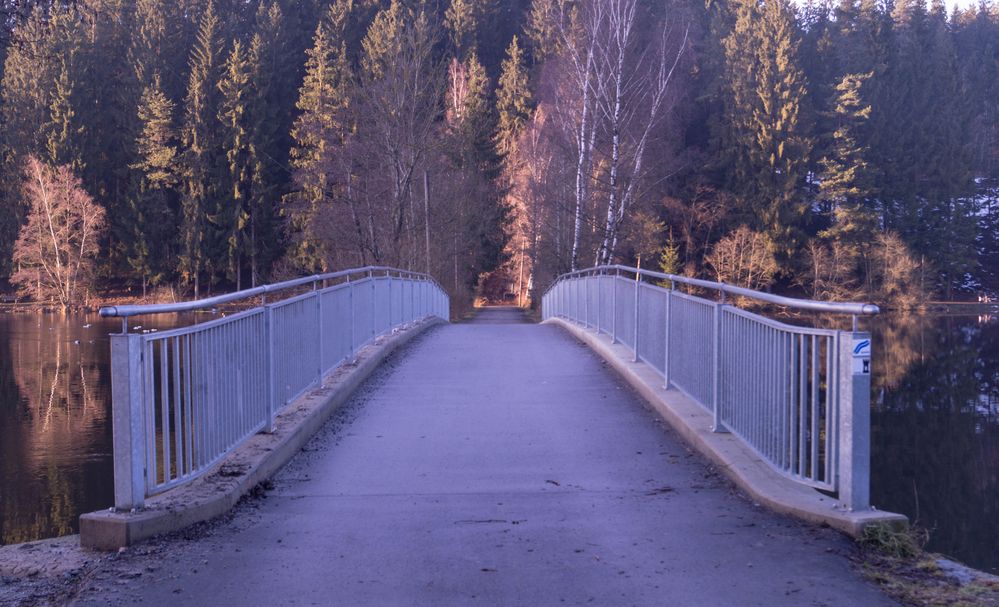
(184, 398)
(798, 396)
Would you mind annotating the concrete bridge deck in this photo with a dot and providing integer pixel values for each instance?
(496, 462)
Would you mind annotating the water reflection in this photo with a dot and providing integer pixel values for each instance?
(936, 429)
(55, 429)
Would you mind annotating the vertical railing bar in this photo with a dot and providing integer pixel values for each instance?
(638, 279)
(178, 408)
(220, 380)
(217, 403)
(785, 398)
(666, 351)
(321, 339)
(189, 403)
(815, 415)
(771, 389)
(716, 340)
(165, 410)
(614, 307)
(197, 398)
(831, 446)
(804, 374)
(149, 402)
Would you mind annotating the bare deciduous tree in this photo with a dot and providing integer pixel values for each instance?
(55, 249)
(744, 258)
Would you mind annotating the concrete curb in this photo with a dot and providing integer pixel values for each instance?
(256, 460)
(737, 461)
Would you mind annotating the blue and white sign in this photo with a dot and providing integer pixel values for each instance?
(861, 356)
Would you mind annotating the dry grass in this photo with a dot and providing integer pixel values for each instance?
(895, 560)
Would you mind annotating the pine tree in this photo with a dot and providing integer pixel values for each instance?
(232, 210)
(922, 148)
(149, 248)
(462, 19)
(846, 183)
(513, 98)
(272, 70)
(200, 140)
(63, 132)
(541, 29)
(764, 118)
(323, 100)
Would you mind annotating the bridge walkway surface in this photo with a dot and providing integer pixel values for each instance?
(494, 462)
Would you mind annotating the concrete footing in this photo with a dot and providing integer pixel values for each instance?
(735, 459)
(256, 460)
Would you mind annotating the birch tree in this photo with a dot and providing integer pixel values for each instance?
(56, 248)
(632, 98)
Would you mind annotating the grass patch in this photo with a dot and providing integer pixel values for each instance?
(894, 558)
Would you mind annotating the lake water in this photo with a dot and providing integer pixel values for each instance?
(55, 421)
(935, 426)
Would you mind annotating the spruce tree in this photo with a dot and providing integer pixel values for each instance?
(319, 129)
(462, 21)
(200, 139)
(232, 210)
(272, 73)
(150, 245)
(513, 98)
(63, 131)
(765, 122)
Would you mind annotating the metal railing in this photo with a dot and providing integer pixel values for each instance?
(798, 396)
(182, 399)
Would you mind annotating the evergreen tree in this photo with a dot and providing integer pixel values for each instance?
(200, 138)
(63, 132)
(513, 98)
(921, 147)
(231, 215)
(462, 19)
(149, 248)
(323, 100)
(771, 151)
(272, 73)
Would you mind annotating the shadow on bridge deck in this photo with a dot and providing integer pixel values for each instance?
(502, 463)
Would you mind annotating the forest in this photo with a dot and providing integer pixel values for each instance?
(159, 149)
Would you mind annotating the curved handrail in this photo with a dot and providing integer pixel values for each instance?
(126, 311)
(855, 308)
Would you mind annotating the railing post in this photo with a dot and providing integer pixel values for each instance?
(270, 379)
(614, 307)
(638, 290)
(669, 310)
(128, 422)
(586, 302)
(374, 304)
(599, 279)
(854, 415)
(388, 275)
(350, 302)
(319, 327)
(717, 425)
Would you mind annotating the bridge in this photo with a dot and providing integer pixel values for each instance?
(581, 460)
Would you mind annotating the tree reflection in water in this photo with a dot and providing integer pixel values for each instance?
(55, 433)
(935, 419)
(55, 422)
